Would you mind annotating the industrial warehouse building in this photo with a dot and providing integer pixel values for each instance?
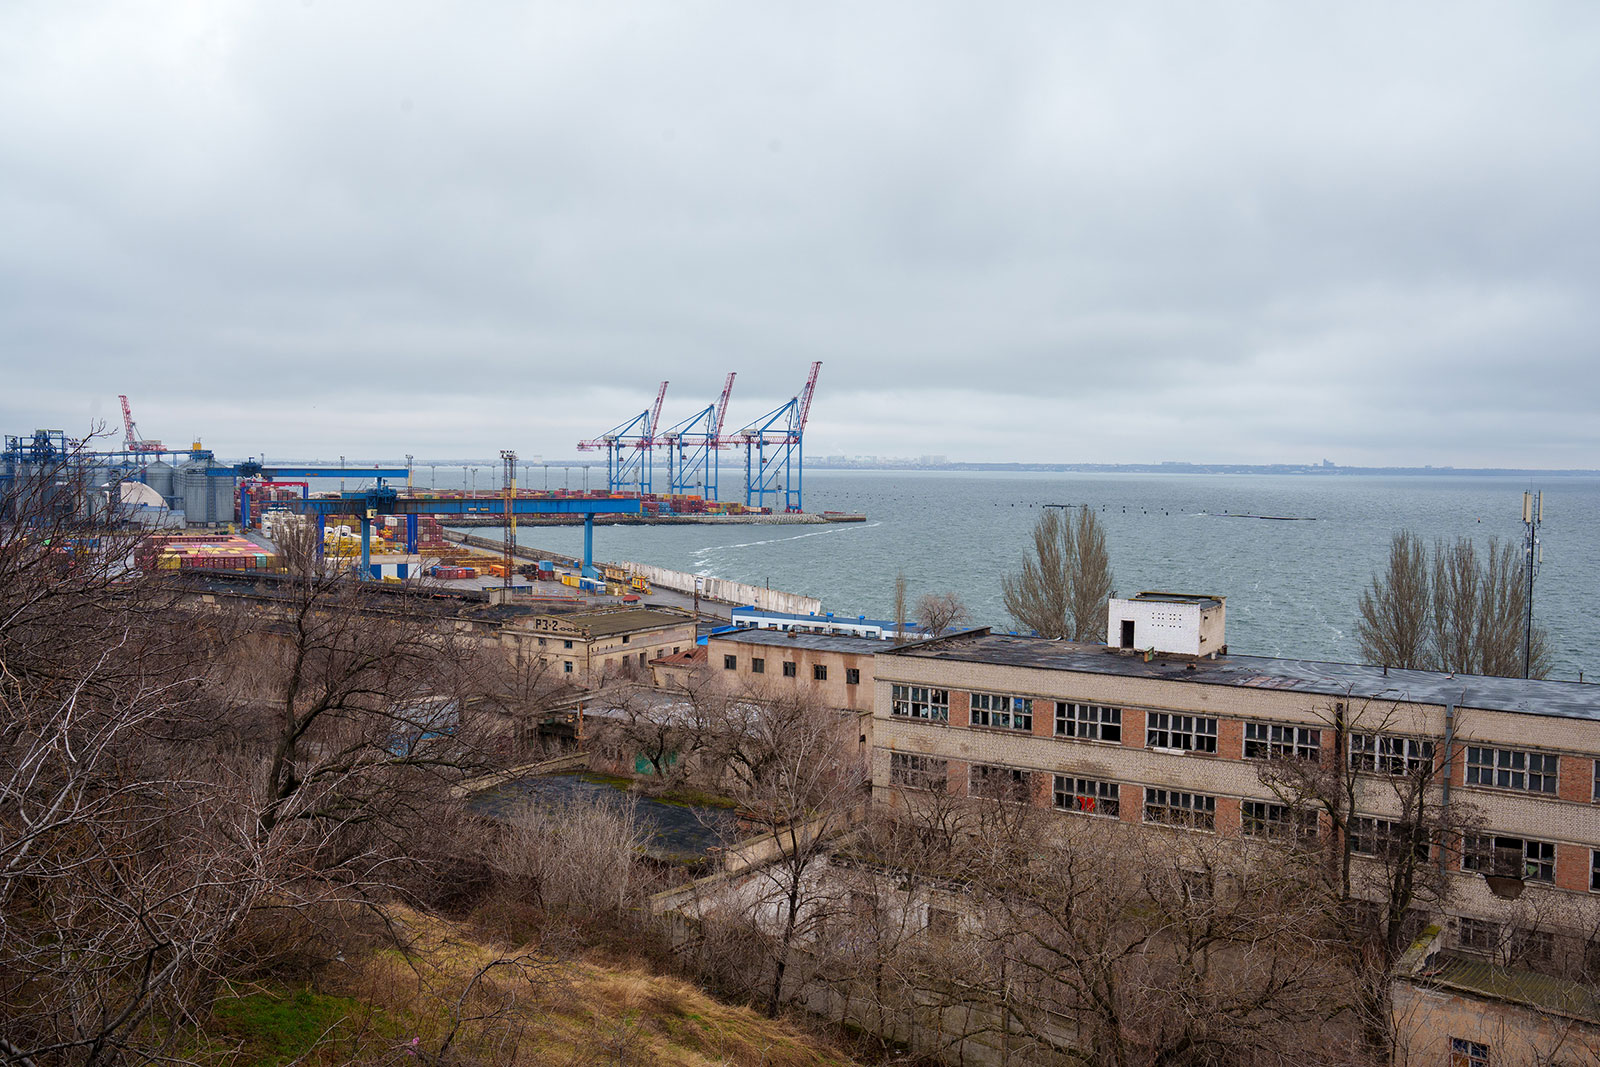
(588, 647)
(1164, 728)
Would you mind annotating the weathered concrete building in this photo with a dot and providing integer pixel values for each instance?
(1162, 728)
(591, 647)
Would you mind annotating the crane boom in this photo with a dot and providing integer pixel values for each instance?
(655, 418)
(722, 409)
(805, 397)
(132, 440)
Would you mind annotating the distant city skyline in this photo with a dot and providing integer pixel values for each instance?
(1222, 234)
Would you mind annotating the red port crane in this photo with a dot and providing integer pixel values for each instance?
(628, 449)
(774, 458)
(135, 443)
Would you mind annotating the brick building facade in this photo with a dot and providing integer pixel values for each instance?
(1180, 740)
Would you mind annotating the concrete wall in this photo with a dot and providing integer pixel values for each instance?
(1428, 1015)
(834, 691)
(1167, 626)
(726, 591)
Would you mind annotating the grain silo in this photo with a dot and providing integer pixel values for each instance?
(207, 499)
(159, 476)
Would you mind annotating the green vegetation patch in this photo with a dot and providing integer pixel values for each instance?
(693, 798)
(615, 781)
(281, 1026)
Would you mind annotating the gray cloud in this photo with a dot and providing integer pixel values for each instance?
(1230, 232)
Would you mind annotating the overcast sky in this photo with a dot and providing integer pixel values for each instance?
(1057, 231)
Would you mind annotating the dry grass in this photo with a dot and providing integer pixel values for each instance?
(456, 1000)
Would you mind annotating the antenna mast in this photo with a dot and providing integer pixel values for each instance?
(1532, 516)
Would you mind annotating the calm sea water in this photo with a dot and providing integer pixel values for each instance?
(1292, 587)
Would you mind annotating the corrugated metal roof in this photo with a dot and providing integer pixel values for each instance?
(1470, 975)
(1573, 700)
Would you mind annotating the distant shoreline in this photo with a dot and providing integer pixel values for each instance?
(1308, 470)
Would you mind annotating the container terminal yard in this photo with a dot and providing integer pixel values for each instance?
(208, 514)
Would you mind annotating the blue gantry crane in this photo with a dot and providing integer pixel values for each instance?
(692, 446)
(774, 446)
(628, 450)
(380, 499)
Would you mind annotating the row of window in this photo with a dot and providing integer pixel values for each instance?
(791, 669)
(1378, 753)
(1525, 858)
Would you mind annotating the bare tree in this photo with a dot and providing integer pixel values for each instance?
(1064, 583)
(1393, 626)
(1454, 609)
(939, 612)
(1378, 789)
(1156, 950)
(807, 786)
(1479, 611)
(577, 861)
(664, 729)
(126, 863)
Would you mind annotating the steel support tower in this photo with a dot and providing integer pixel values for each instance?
(628, 449)
(692, 446)
(774, 452)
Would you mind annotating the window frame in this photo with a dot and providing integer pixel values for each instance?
(1468, 1053)
(1477, 935)
(1279, 740)
(914, 770)
(1016, 787)
(1178, 726)
(852, 676)
(1489, 767)
(1277, 822)
(1385, 836)
(1088, 796)
(933, 704)
(791, 669)
(819, 672)
(1200, 816)
(1088, 722)
(1396, 754)
(730, 663)
(1016, 714)
(1485, 854)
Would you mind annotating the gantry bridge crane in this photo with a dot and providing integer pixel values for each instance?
(774, 445)
(692, 447)
(628, 450)
(381, 499)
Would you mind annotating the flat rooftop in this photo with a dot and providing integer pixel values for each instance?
(856, 646)
(604, 623)
(1574, 700)
(1204, 600)
(746, 611)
